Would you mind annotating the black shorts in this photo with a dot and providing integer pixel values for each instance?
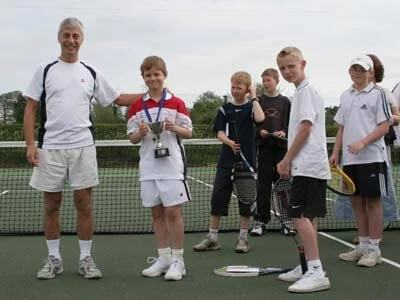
(370, 179)
(308, 197)
(222, 193)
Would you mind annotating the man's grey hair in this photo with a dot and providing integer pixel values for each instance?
(71, 21)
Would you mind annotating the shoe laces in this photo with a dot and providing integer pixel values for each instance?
(50, 262)
(259, 225)
(175, 266)
(371, 252)
(89, 263)
(152, 259)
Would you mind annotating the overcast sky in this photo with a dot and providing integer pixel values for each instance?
(203, 42)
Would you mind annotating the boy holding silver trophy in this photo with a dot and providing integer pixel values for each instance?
(159, 121)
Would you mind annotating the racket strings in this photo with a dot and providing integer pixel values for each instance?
(340, 182)
(282, 203)
(245, 187)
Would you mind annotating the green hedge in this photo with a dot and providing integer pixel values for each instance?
(14, 132)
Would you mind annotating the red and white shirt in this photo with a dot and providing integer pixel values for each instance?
(174, 109)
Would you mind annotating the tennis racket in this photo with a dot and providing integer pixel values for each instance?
(277, 137)
(280, 205)
(340, 183)
(243, 176)
(247, 271)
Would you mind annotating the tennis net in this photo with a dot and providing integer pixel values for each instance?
(117, 203)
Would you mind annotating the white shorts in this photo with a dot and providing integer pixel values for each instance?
(77, 165)
(165, 192)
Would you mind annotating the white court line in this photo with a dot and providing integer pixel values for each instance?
(3, 193)
(199, 181)
(388, 261)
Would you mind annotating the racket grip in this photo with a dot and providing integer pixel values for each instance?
(303, 261)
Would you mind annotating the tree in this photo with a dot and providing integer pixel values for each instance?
(330, 113)
(19, 109)
(110, 114)
(8, 102)
(205, 108)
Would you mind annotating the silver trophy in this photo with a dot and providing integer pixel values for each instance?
(160, 151)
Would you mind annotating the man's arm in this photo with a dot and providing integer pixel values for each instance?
(29, 131)
(127, 99)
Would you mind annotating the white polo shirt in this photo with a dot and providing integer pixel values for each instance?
(312, 160)
(69, 88)
(360, 112)
(396, 97)
(170, 167)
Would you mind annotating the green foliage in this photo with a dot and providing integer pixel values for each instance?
(14, 132)
(110, 122)
(330, 113)
(205, 108)
(19, 108)
(259, 89)
(110, 114)
(12, 104)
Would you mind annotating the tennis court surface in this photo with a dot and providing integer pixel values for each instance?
(121, 244)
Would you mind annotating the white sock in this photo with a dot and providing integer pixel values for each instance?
(315, 266)
(214, 234)
(85, 247)
(54, 248)
(177, 254)
(243, 233)
(363, 242)
(374, 244)
(164, 253)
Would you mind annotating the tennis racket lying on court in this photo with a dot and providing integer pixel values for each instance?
(340, 183)
(243, 176)
(247, 271)
(280, 206)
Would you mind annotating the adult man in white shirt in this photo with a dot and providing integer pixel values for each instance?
(63, 90)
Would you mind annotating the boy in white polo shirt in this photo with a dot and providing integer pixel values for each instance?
(307, 161)
(162, 184)
(364, 118)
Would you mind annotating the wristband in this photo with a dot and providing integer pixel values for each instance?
(254, 99)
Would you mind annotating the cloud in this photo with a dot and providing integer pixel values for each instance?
(202, 41)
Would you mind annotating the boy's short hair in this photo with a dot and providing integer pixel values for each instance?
(378, 68)
(153, 62)
(271, 72)
(291, 50)
(241, 77)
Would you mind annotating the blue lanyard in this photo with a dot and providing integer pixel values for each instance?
(160, 105)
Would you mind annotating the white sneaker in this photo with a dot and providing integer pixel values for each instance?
(352, 255)
(52, 267)
(258, 229)
(88, 269)
(159, 266)
(176, 270)
(310, 282)
(370, 258)
(293, 275)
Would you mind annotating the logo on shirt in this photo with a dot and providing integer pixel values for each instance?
(272, 113)
(82, 80)
(364, 106)
(238, 109)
